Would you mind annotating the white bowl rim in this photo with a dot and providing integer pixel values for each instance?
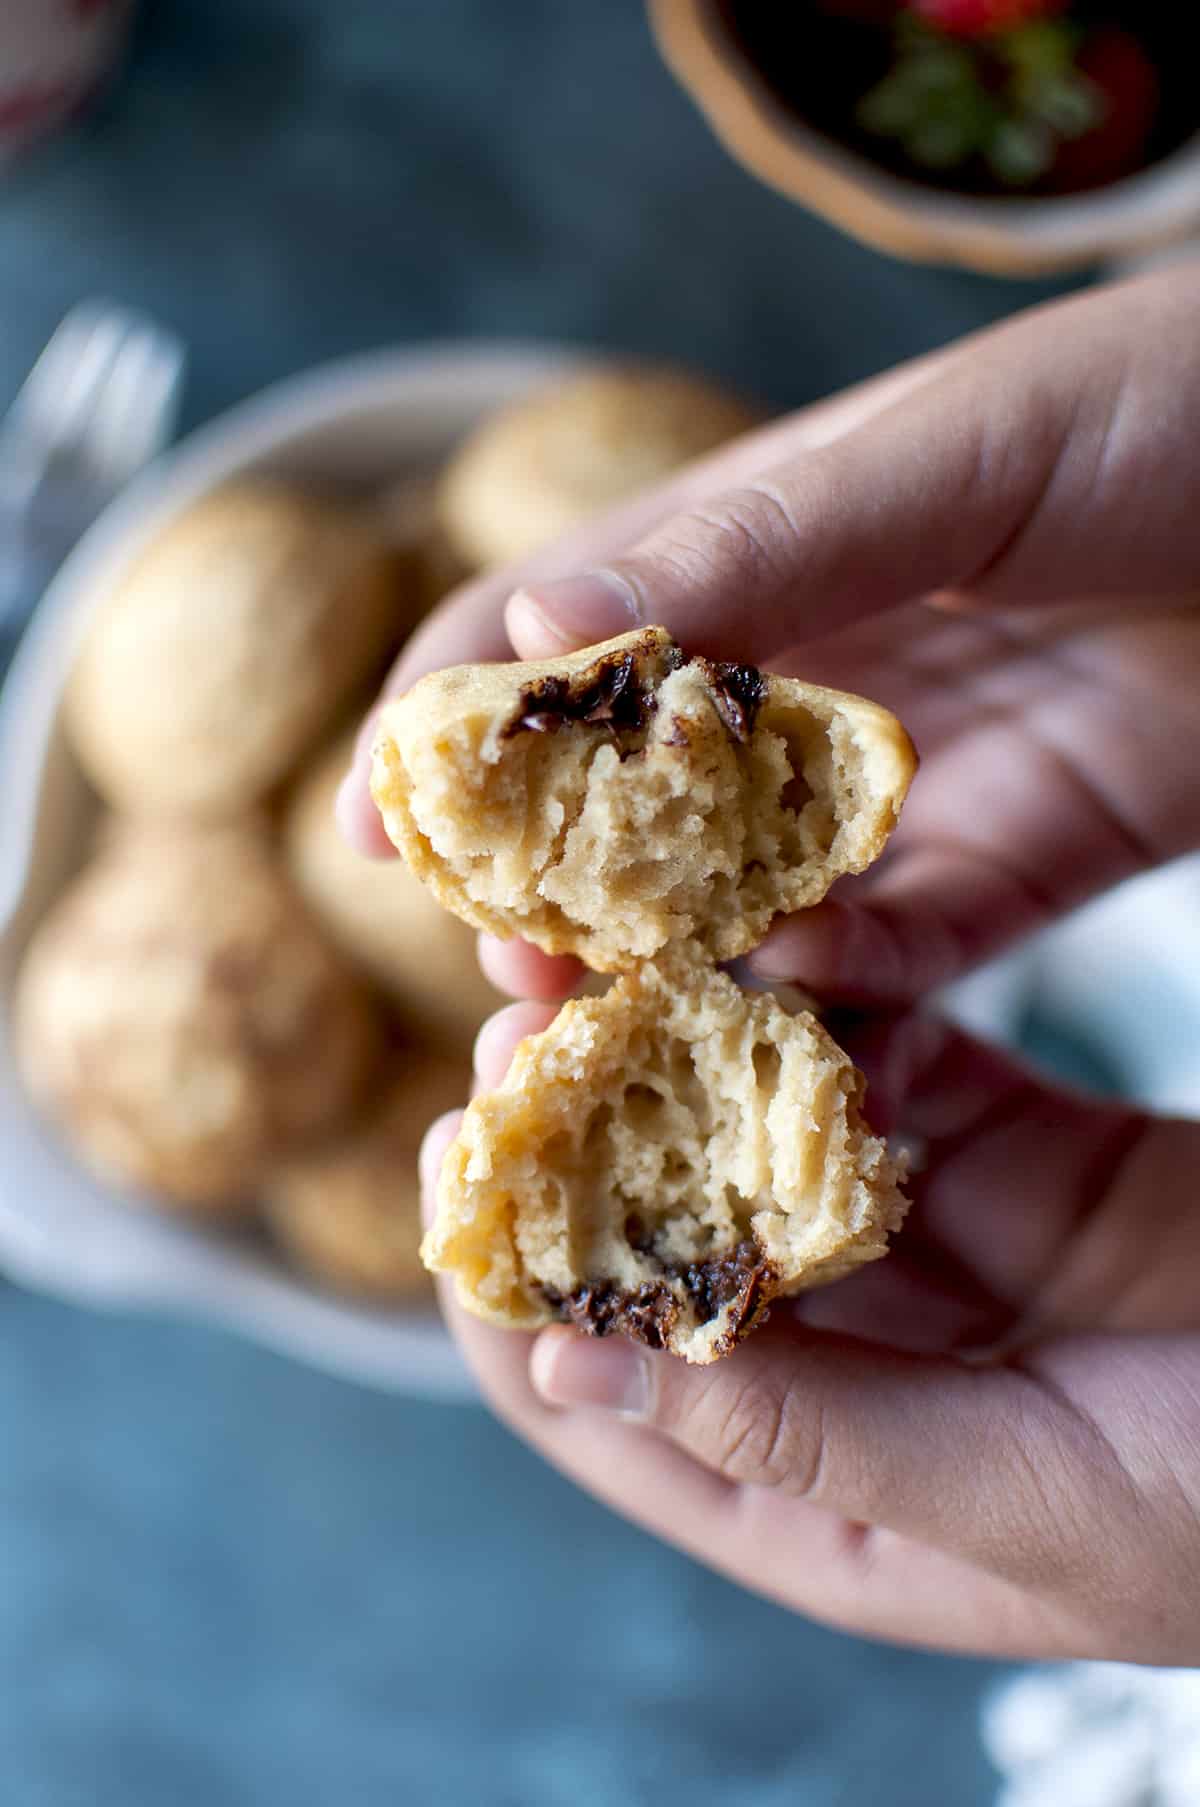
(180, 1271)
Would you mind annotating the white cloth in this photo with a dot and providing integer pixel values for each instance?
(1096, 1735)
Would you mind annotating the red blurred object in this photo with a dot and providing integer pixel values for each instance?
(982, 18)
(38, 104)
(1115, 61)
(55, 55)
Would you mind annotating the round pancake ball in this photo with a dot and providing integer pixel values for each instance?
(383, 917)
(349, 1214)
(183, 1021)
(541, 466)
(227, 645)
(407, 515)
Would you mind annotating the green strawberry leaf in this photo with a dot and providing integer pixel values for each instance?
(1070, 105)
(1020, 151)
(1012, 101)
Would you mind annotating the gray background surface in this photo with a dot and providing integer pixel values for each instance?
(224, 1578)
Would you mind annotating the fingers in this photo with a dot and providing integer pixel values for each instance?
(873, 1436)
(1008, 1469)
(1038, 1208)
(1035, 462)
(436, 1141)
(1008, 474)
(861, 955)
(1035, 1209)
(867, 1581)
(1051, 789)
(998, 1509)
(470, 625)
(494, 1048)
(800, 1555)
(525, 971)
(497, 1040)
(928, 916)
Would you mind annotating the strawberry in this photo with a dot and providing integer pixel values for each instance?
(1127, 83)
(982, 18)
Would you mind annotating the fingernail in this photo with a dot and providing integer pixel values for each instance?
(569, 1369)
(569, 612)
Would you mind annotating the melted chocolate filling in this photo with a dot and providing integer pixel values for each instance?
(739, 692)
(648, 1313)
(608, 696)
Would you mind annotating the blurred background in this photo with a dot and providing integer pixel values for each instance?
(225, 1576)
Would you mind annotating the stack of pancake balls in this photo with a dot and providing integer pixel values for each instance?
(228, 1012)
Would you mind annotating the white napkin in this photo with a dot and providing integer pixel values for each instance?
(1096, 1735)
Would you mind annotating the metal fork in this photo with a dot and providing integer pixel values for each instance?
(99, 403)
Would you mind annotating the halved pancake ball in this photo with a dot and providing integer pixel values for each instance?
(661, 1162)
(627, 798)
(348, 1212)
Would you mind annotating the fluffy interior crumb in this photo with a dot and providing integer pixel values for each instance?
(692, 803)
(660, 1162)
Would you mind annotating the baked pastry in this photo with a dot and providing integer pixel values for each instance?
(409, 518)
(539, 467)
(384, 918)
(349, 1213)
(181, 1018)
(627, 798)
(662, 1162)
(227, 645)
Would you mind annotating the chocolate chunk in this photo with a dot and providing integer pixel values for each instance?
(737, 1279)
(739, 692)
(645, 1313)
(648, 1313)
(607, 694)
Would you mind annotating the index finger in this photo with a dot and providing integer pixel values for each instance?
(470, 626)
(1039, 463)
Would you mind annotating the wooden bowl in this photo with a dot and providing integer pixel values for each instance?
(1004, 236)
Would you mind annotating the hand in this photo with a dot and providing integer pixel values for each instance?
(991, 1440)
(863, 1458)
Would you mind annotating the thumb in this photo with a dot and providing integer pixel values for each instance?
(1036, 1471)
(1008, 475)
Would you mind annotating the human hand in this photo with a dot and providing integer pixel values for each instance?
(991, 1440)
(988, 1442)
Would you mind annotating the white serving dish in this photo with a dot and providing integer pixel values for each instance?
(360, 423)
(1126, 970)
